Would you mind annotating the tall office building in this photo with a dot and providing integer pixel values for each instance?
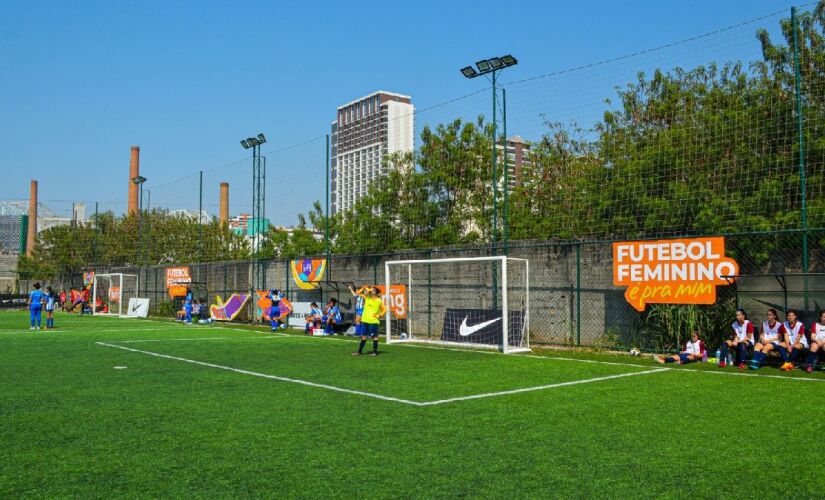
(364, 132)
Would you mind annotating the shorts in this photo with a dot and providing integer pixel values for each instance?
(819, 339)
(369, 330)
(684, 357)
(802, 340)
(359, 312)
(775, 344)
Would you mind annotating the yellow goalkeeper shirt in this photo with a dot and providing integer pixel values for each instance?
(373, 310)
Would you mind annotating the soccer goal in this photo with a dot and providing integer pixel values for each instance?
(472, 301)
(111, 293)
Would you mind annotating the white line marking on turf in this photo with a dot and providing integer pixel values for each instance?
(541, 387)
(757, 375)
(168, 340)
(264, 375)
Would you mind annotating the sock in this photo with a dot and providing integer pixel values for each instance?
(784, 353)
(743, 353)
(793, 355)
(723, 352)
(274, 324)
(361, 347)
(375, 345)
(669, 360)
(811, 358)
(758, 356)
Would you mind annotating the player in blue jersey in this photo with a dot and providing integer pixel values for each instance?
(51, 303)
(313, 319)
(187, 306)
(332, 317)
(36, 299)
(360, 296)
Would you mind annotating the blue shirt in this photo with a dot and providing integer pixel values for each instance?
(36, 296)
(49, 302)
(188, 299)
(335, 313)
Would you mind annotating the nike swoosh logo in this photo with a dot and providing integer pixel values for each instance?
(135, 307)
(465, 330)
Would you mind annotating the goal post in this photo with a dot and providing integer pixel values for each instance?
(481, 302)
(113, 291)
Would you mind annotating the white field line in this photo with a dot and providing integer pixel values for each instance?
(169, 340)
(264, 375)
(541, 387)
(379, 396)
(757, 375)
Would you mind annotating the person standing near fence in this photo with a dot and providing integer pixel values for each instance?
(187, 306)
(51, 301)
(741, 340)
(817, 341)
(36, 299)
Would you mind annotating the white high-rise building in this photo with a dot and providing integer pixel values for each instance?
(365, 131)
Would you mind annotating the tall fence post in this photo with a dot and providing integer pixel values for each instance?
(801, 139)
(578, 294)
(200, 217)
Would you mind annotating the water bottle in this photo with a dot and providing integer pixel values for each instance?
(705, 357)
(730, 359)
(718, 357)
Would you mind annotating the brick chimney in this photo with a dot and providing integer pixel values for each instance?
(223, 214)
(134, 171)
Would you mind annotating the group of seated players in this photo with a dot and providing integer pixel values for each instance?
(789, 339)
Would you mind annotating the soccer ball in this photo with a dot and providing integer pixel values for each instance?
(403, 336)
(635, 352)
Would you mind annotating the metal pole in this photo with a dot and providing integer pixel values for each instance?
(253, 253)
(200, 215)
(579, 294)
(505, 222)
(494, 185)
(802, 179)
(495, 208)
(326, 215)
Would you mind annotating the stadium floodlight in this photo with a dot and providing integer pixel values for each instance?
(138, 180)
(469, 72)
(245, 144)
(509, 60)
(483, 66)
(261, 138)
(495, 63)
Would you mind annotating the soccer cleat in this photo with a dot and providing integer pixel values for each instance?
(810, 369)
(786, 367)
(32, 328)
(741, 366)
(356, 354)
(722, 364)
(283, 326)
(753, 364)
(374, 353)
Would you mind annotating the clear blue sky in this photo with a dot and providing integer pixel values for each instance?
(83, 81)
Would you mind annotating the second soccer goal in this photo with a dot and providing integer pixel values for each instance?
(471, 301)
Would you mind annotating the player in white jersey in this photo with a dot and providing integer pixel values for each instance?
(817, 341)
(771, 338)
(741, 340)
(694, 351)
(794, 338)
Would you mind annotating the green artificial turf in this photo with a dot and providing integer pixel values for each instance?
(71, 425)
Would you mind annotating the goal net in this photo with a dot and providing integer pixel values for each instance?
(111, 293)
(473, 301)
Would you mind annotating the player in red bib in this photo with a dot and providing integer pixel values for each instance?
(694, 351)
(817, 341)
(771, 338)
(741, 340)
(794, 338)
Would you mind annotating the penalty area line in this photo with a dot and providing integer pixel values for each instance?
(267, 376)
(541, 387)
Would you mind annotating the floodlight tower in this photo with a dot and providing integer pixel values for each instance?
(258, 208)
(492, 66)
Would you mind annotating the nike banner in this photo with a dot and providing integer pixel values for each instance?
(481, 326)
(138, 308)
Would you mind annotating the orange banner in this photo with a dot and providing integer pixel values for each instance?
(678, 271)
(177, 291)
(177, 275)
(396, 300)
(114, 294)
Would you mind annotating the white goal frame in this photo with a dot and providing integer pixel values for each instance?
(502, 290)
(120, 306)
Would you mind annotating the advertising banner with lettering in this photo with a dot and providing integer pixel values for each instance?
(676, 271)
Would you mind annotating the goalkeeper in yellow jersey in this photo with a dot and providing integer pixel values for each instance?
(374, 310)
